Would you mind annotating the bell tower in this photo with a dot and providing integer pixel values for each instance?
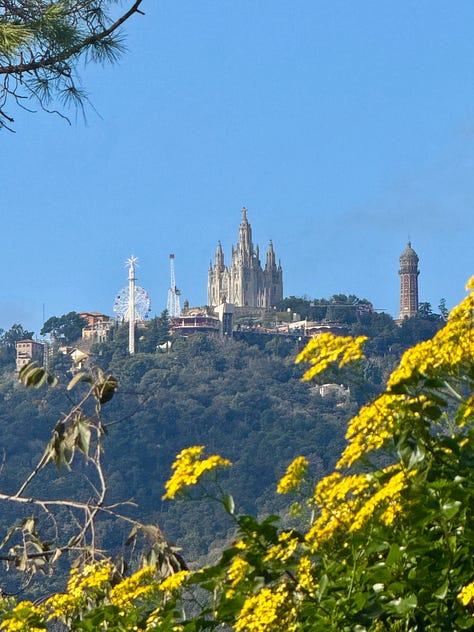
(408, 282)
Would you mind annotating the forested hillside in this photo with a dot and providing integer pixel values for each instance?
(245, 402)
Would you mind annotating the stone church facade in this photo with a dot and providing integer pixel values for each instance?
(245, 283)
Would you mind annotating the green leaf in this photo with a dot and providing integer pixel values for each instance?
(402, 605)
(394, 555)
(83, 437)
(105, 389)
(450, 509)
(323, 584)
(229, 504)
(79, 377)
(442, 591)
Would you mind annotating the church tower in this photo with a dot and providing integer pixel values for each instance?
(245, 283)
(408, 282)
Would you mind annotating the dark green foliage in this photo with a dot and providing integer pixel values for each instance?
(245, 402)
(8, 340)
(155, 333)
(64, 329)
(339, 308)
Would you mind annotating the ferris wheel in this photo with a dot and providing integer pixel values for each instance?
(122, 304)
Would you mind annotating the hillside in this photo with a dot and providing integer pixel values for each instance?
(245, 402)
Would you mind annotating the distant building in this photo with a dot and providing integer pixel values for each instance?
(245, 283)
(98, 326)
(195, 323)
(408, 283)
(339, 391)
(29, 351)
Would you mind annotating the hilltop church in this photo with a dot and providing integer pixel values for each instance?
(245, 283)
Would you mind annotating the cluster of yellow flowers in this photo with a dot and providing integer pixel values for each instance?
(374, 425)
(92, 585)
(267, 611)
(304, 575)
(347, 502)
(287, 545)
(293, 476)
(237, 571)
(90, 580)
(25, 617)
(335, 495)
(387, 496)
(188, 469)
(173, 582)
(466, 596)
(328, 349)
(140, 584)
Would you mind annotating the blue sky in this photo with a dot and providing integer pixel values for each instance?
(345, 128)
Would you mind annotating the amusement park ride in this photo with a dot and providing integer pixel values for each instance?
(132, 303)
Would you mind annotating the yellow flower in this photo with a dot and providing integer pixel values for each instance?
(388, 494)
(304, 575)
(25, 617)
(267, 611)
(91, 576)
(139, 585)
(173, 582)
(293, 475)
(327, 349)
(466, 596)
(287, 545)
(237, 571)
(188, 468)
(91, 579)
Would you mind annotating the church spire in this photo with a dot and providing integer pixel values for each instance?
(270, 264)
(219, 257)
(245, 246)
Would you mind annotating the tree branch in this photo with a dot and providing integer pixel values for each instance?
(53, 60)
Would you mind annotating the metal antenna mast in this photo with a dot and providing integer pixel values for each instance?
(174, 307)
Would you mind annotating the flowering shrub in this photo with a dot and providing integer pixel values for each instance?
(388, 544)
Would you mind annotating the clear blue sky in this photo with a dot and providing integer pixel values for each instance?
(344, 127)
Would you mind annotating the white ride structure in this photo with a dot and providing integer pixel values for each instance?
(132, 304)
(173, 306)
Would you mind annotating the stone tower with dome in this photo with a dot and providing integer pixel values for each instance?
(408, 282)
(245, 283)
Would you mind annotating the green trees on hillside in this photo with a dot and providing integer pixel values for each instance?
(8, 340)
(379, 539)
(338, 308)
(64, 329)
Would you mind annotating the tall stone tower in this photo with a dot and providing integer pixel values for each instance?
(245, 283)
(408, 282)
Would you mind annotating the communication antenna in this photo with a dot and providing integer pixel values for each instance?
(174, 307)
